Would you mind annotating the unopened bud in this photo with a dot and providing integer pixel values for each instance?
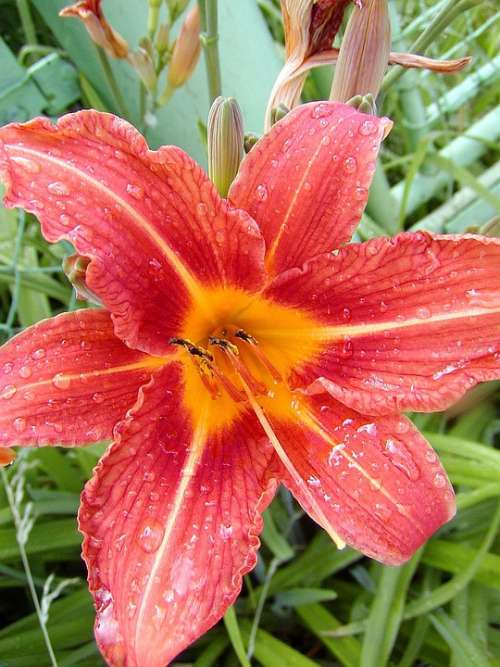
(278, 113)
(144, 66)
(153, 16)
(363, 103)
(250, 140)
(175, 8)
(75, 268)
(364, 52)
(162, 39)
(186, 50)
(225, 142)
(90, 13)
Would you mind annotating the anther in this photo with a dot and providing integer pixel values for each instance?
(232, 353)
(195, 350)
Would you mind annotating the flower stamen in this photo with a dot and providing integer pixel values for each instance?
(257, 350)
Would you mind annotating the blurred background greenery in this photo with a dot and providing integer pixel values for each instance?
(306, 604)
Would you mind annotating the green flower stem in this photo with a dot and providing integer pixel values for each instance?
(27, 569)
(112, 83)
(209, 39)
(27, 21)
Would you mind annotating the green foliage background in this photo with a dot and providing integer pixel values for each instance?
(439, 170)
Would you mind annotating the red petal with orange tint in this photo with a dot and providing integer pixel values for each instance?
(410, 323)
(375, 482)
(171, 522)
(306, 181)
(68, 380)
(151, 221)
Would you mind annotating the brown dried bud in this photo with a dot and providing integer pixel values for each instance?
(90, 13)
(364, 52)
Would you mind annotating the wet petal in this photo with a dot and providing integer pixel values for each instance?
(410, 323)
(376, 483)
(306, 181)
(68, 380)
(151, 221)
(171, 522)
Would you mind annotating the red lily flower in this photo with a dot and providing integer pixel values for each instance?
(257, 356)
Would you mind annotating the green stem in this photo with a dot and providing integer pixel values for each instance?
(27, 21)
(209, 39)
(441, 21)
(112, 83)
(29, 577)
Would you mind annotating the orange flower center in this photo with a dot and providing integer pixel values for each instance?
(240, 339)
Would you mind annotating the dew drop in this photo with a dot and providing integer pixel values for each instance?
(19, 424)
(430, 456)
(25, 372)
(7, 368)
(201, 209)
(261, 192)
(360, 193)
(225, 531)
(65, 220)
(150, 536)
(346, 314)
(135, 190)
(220, 236)
(401, 458)
(321, 110)
(98, 398)
(154, 264)
(8, 392)
(326, 140)
(58, 188)
(60, 381)
(439, 481)
(347, 348)
(350, 165)
(28, 165)
(423, 313)
(38, 354)
(367, 127)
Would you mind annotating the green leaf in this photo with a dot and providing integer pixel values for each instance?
(462, 645)
(233, 630)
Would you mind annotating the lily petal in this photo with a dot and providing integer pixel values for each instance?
(68, 380)
(306, 181)
(171, 522)
(376, 483)
(151, 221)
(410, 323)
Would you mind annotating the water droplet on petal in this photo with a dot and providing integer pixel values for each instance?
(326, 140)
(19, 424)
(346, 314)
(201, 209)
(38, 354)
(25, 372)
(58, 188)
(7, 368)
(261, 192)
(347, 348)
(8, 391)
(350, 165)
(135, 190)
(151, 535)
(401, 458)
(98, 398)
(430, 456)
(367, 127)
(61, 381)
(65, 220)
(154, 264)
(322, 110)
(423, 313)
(439, 481)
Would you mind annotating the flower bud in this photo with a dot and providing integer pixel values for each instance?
(144, 66)
(186, 50)
(225, 142)
(90, 13)
(175, 8)
(7, 456)
(75, 268)
(364, 52)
